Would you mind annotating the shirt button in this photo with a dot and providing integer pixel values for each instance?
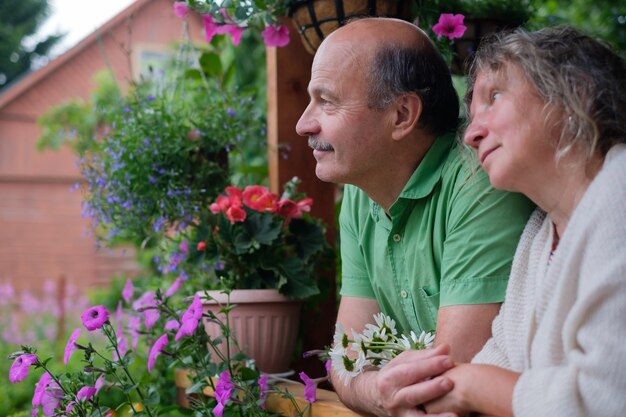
(396, 237)
(404, 294)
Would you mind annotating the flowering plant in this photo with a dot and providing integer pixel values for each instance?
(376, 346)
(234, 16)
(256, 240)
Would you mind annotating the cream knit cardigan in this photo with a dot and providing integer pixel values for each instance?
(563, 325)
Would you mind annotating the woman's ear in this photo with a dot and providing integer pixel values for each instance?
(407, 111)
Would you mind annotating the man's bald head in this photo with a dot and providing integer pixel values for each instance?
(396, 57)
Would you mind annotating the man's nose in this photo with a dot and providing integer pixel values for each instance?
(307, 124)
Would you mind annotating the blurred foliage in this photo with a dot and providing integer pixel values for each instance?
(19, 21)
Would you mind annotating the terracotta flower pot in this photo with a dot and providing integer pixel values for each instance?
(264, 322)
(316, 19)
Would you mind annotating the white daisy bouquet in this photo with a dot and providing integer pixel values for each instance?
(375, 347)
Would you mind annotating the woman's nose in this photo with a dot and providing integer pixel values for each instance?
(474, 133)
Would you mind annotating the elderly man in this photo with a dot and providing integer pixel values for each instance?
(424, 237)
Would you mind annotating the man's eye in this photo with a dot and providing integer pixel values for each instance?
(494, 95)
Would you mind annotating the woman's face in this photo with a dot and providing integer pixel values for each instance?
(509, 129)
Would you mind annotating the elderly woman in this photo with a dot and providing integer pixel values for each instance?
(548, 119)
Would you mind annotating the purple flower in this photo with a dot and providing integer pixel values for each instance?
(310, 388)
(51, 399)
(327, 365)
(223, 392)
(275, 35)
(172, 325)
(128, 290)
(174, 287)
(133, 327)
(122, 346)
(85, 393)
(156, 350)
(190, 319)
(19, 368)
(150, 317)
(99, 383)
(263, 388)
(71, 345)
(94, 318)
(40, 389)
(450, 25)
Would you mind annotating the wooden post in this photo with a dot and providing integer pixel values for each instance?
(288, 75)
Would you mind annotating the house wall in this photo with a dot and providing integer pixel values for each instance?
(42, 233)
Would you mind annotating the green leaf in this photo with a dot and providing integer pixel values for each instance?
(197, 387)
(263, 227)
(211, 64)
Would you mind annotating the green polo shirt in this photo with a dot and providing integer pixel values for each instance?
(450, 240)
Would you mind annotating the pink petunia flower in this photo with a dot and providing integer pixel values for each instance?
(310, 388)
(127, 292)
(450, 25)
(40, 389)
(133, 327)
(71, 346)
(263, 388)
(100, 383)
(19, 368)
(190, 319)
(94, 318)
(122, 346)
(275, 35)
(51, 399)
(212, 28)
(223, 392)
(180, 9)
(156, 350)
(85, 393)
(175, 286)
(172, 325)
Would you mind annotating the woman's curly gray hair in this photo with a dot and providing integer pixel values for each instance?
(571, 72)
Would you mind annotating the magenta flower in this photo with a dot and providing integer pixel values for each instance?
(85, 393)
(275, 35)
(19, 368)
(190, 319)
(94, 318)
(156, 350)
(327, 365)
(71, 346)
(263, 388)
(223, 392)
(127, 292)
(212, 28)
(133, 327)
(40, 389)
(172, 325)
(122, 346)
(175, 286)
(450, 25)
(180, 9)
(51, 399)
(310, 388)
(99, 383)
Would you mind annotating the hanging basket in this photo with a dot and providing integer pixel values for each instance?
(316, 19)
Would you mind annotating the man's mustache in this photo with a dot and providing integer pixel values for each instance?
(318, 145)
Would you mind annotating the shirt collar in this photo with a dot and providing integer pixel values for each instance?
(422, 182)
(428, 172)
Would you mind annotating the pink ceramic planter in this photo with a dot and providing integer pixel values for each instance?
(265, 324)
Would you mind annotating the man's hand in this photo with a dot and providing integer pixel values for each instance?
(406, 382)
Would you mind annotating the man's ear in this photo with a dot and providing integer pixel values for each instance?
(407, 112)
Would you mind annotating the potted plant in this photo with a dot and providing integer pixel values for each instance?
(264, 251)
(314, 19)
